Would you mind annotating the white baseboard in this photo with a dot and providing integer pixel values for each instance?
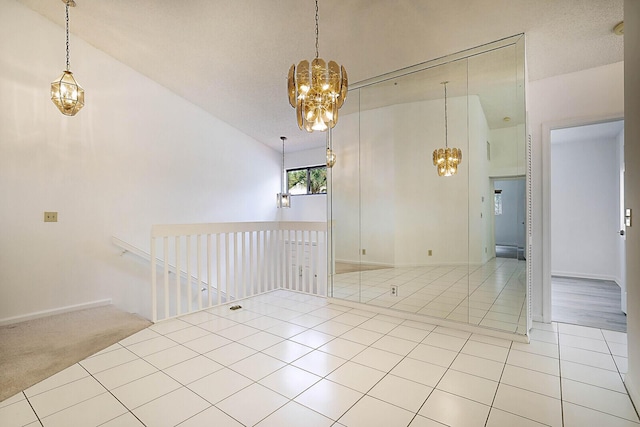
(585, 276)
(409, 265)
(53, 311)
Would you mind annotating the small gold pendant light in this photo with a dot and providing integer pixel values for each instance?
(331, 156)
(283, 199)
(66, 93)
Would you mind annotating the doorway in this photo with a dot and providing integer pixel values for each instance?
(509, 214)
(587, 236)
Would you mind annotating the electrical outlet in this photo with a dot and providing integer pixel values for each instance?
(51, 217)
(430, 253)
(394, 290)
(364, 252)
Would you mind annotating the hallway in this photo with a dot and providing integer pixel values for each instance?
(587, 302)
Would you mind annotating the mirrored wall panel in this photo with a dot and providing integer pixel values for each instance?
(437, 234)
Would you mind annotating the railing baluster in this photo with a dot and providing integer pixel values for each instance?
(199, 267)
(306, 259)
(188, 261)
(236, 291)
(258, 261)
(252, 277)
(278, 281)
(245, 284)
(283, 260)
(218, 270)
(271, 259)
(154, 274)
(165, 256)
(209, 280)
(178, 278)
(263, 270)
(228, 267)
(312, 259)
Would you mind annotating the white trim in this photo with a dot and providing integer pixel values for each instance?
(53, 311)
(412, 265)
(547, 127)
(572, 275)
(466, 327)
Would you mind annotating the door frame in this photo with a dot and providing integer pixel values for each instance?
(547, 127)
(522, 178)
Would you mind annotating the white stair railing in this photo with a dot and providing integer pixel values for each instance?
(222, 262)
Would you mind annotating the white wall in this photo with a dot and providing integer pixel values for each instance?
(508, 151)
(344, 203)
(561, 101)
(432, 212)
(387, 194)
(585, 209)
(480, 204)
(632, 190)
(136, 155)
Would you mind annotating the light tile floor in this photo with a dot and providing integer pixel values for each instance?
(334, 366)
(491, 295)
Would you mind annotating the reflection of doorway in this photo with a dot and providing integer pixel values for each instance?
(587, 250)
(509, 227)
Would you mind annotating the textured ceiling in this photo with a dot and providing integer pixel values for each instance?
(231, 57)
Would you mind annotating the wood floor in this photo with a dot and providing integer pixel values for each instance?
(587, 302)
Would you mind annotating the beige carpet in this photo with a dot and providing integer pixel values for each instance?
(36, 349)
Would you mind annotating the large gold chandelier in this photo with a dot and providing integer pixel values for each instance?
(317, 91)
(446, 159)
(66, 93)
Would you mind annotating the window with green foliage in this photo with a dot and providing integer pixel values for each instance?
(311, 180)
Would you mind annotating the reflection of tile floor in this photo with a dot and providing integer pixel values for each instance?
(496, 289)
(289, 359)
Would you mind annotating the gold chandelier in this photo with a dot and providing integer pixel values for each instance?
(317, 91)
(446, 159)
(66, 93)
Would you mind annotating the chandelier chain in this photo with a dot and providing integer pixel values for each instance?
(282, 173)
(446, 130)
(67, 26)
(317, 29)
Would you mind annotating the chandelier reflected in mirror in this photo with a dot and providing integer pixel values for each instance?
(66, 93)
(446, 159)
(317, 91)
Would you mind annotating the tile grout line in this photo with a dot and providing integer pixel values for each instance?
(325, 320)
(557, 332)
(504, 365)
(32, 408)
